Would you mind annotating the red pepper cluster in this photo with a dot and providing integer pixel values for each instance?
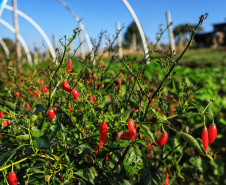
(208, 136)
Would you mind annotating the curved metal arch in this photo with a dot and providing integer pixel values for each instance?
(5, 48)
(146, 51)
(36, 26)
(81, 25)
(20, 39)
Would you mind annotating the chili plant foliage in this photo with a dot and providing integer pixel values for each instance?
(81, 121)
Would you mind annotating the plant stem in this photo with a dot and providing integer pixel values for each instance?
(121, 159)
(171, 69)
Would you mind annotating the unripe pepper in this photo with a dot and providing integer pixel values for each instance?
(103, 134)
(66, 86)
(212, 133)
(51, 113)
(205, 139)
(12, 178)
(162, 140)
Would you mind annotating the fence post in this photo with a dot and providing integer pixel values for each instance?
(119, 40)
(172, 43)
(16, 26)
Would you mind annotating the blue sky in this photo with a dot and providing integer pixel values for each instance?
(102, 15)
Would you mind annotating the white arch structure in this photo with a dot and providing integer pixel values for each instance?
(81, 25)
(5, 48)
(146, 51)
(20, 39)
(36, 26)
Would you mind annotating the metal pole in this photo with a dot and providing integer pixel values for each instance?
(16, 26)
(37, 27)
(81, 25)
(54, 42)
(119, 40)
(5, 48)
(134, 41)
(145, 45)
(23, 43)
(82, 45)
(172, 43)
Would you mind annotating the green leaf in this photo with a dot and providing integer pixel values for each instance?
(23, 137)
(151, 176)
(87, 146)
(84, 176)
(177, 169)
(6, 155)
(133, 161)
(93, 172)
(10, 105)
(146, 131)
(42, 143)
(125, 116)
(191, 141)
(53, 134)
(125, 182)
(142, 142)
(36, 132)
(33, 118)
(39, 108)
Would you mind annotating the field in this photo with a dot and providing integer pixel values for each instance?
(182, 101)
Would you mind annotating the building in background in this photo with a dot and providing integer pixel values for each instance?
(212, 39)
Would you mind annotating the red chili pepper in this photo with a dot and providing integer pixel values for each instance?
(150, 146)
(162, 140)
(66, 86)
(96, 85)
(91, 100)
(205, 140)
(103, 134)
(130, 125)
(12, 178)
(1, 114)
(17, 94)
(45, 90)
(4, 123)
(121, 75)
(107, 156)
(212, 133)
(31, 93)
(28, 106)
(119, 84)
(75, 94)
(50, 64)
(69, 67)
(129, 135)
(38, 94)
(51, 113)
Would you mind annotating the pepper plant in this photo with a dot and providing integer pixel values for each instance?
(80, 121)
